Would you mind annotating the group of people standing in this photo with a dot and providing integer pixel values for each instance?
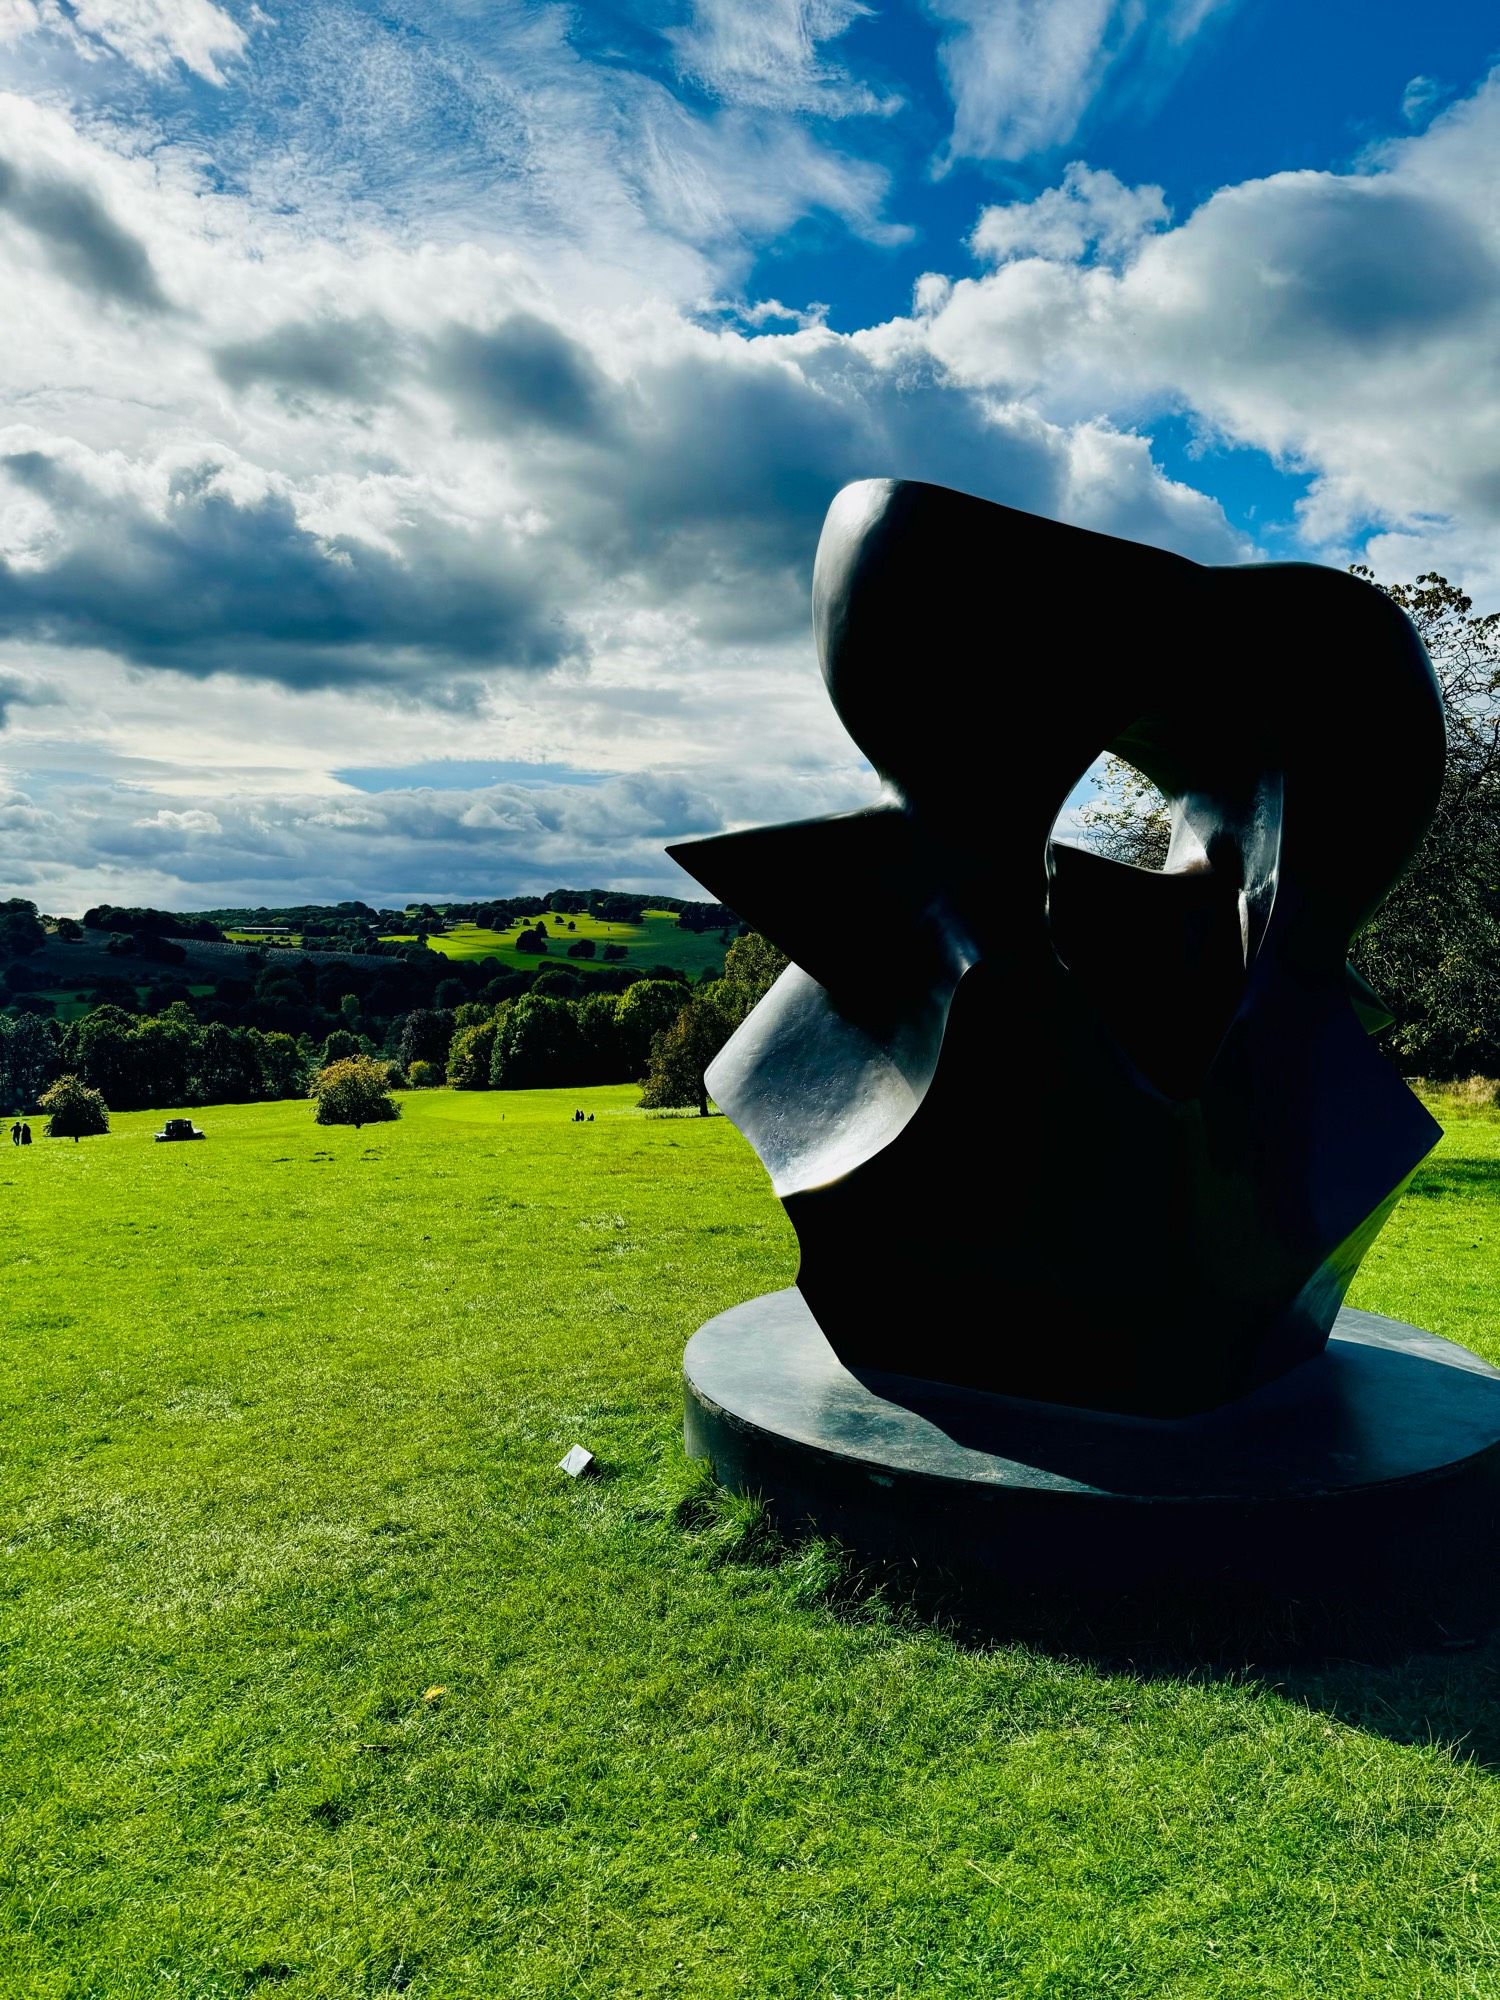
(20, 1133)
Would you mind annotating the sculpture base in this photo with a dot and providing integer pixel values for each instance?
(1370, 1474)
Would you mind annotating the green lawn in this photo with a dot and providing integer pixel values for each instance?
(657, 940)
(283, 1413)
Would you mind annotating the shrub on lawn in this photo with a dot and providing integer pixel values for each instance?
(424, 1075)
(73, 1110)
(353, 1092)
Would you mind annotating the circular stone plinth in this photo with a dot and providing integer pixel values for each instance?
(1374, 1467)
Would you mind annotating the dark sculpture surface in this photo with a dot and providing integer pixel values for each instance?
(1082, 1132)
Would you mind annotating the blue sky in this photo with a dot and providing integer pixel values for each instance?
(416, 427)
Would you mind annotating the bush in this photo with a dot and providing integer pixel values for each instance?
(353, 1092)
(424, 1075)
(73, 1110)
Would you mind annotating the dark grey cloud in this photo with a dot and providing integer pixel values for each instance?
(219, 585)
(524, 375)
(16, 691)
(1364, 262)
(345, 360)
(81, 239)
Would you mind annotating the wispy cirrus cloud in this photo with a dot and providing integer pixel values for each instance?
(1022, 73)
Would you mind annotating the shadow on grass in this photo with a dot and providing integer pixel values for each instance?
(1397, 1670)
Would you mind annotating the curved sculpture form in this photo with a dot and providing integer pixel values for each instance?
(1083, 1132)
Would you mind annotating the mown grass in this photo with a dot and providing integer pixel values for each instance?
(319, 1679)
(657, 940)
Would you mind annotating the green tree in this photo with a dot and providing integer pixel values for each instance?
(470, 1055)
(599, 1026)
(538, 1046)
(642, 1013)
(162, 1058)
(104, 1055)
(426, 1034)
(21, 930)
(1432, 949)
(353, 1092)
(424, 1075)
(681, 1054)
(28, 1060)
(283, 1067)
(73, 1110)
(752, 965)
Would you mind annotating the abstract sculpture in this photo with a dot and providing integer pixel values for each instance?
(1084, 1132)
(1083, 1159)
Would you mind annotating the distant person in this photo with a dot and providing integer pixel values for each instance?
(15, 1133)
(25, 1134)
(591, 1118)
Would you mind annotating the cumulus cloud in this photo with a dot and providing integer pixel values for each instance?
(80, 238)
(400, 471)
(1344, 323)
(1087, 212)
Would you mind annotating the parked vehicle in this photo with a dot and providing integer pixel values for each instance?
(179, 1128)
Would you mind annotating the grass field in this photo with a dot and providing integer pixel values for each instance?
(657, 940)
(320, 1680)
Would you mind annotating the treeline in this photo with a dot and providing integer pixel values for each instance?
(519, 1030)
(145, 922)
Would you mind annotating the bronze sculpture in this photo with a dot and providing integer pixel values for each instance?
(1187, 1141)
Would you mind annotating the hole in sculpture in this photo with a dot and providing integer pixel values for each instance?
(1160, 950)
(1116, 811)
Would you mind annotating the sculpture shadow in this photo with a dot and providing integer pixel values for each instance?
(1389, 1669)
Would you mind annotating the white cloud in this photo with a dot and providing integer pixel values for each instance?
(1088, 210)
(1022, 73)
(769, 53)
(151, 35)
(1347, 324)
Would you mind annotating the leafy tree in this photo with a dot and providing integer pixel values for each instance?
(226, 1066)
(162, 1060)
(73, 1110)
(341, 1046)
(28, 1060)
(1130, 820)
(603, 1048)
(1432, 949)
(752, 965)
(426, 1034)
(583, 947)
(350, 1011)
(103, 1052)
(644, 1011)
(21, 929)
(681, 1054)
(470, 1056)
(69, 929)
(424, 1075)
(353, 1092)
(282, 1064)
(555, 982)
(538, 1046)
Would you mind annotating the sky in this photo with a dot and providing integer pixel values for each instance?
(416, 420)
